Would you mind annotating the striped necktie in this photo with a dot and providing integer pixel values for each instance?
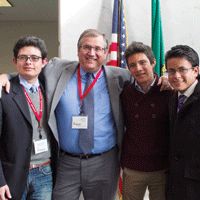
(33, 89)
(181, 100)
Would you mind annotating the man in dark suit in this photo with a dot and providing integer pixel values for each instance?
(182, 64)
(27, 146)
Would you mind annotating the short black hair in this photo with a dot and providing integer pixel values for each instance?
(30, 41)
(139, 47)
(183, 51)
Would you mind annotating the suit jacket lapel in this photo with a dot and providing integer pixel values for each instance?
(173, 110)
(174, 101)
(20, 99)
(194, 96)
(62, 83)
(112, 83)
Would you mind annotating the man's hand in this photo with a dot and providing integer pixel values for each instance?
(4, 81)
(163, 81)
(5, 193)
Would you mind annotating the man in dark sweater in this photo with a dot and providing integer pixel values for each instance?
(145, 146)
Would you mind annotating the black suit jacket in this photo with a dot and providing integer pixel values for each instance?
(185, 143)
(16, 140)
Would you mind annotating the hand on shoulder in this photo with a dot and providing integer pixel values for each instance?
(4, 82)
(5, 193)
(165, 85)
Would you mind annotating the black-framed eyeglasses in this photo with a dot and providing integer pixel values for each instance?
(181, 71)
(32, 58)
(88, 48)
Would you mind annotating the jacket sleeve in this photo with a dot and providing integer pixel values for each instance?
(2, 177)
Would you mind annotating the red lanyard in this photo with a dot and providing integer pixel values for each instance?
(38, 117)
(91, 85)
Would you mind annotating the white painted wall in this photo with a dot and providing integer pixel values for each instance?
(180, 21)
(10, 32)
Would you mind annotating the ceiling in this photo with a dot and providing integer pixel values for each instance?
(30, 10)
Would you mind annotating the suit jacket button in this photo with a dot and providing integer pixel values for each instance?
(28, 149)
(152, 105)
(176, 157)
(153, 116)
(136, 116)
(136, 104)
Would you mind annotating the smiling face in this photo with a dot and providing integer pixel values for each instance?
(29, 70)
(92, 61)
(141, 69)
(181, 82)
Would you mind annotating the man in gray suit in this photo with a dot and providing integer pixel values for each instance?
(92, 165)
(96, 172)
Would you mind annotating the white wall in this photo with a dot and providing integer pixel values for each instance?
(180, 21)
(10, 32)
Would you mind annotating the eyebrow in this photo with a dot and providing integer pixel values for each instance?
(27, 55)
(143, 61)
(179, 67)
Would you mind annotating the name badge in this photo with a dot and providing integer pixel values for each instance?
(40, 146)
(79, 122)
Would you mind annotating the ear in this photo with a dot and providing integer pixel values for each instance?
(196, 70)
(14, 61)
(44, 62)
(105, 54)
(78, 50)
(106, 51)
(154, 63)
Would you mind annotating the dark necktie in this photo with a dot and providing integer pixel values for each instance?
(180, 101)
(86, 136)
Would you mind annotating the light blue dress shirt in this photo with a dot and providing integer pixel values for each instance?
(28, 85)
(69, 105)
(140, 89)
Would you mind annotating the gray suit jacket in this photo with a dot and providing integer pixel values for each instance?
(57, 74)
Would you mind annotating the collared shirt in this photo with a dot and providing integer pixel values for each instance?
(140, 89)
(189, 91)
(28, 85)
(69, 105)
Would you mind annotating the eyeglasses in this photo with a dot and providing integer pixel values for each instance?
(88, 48)
(32, 58)
(181, 71)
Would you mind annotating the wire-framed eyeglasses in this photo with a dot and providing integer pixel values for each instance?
(88, 48)
(180, 70)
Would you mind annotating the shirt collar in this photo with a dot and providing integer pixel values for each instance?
(190, 90)
(26, 84)
(140, 89)
(83, 73)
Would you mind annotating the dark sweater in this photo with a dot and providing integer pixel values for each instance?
(146, 140)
